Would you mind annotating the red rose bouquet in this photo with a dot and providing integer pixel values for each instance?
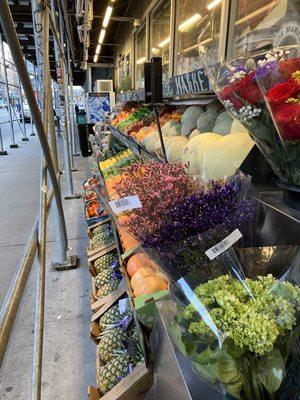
(236, 84)
(280, 85)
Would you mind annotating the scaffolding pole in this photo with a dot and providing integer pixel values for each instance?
(2, 55)
(24, 138)
(72, 110)
(63, 88)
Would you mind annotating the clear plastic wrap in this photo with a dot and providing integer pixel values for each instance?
(240, 334)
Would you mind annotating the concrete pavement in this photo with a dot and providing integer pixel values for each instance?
(69, 354)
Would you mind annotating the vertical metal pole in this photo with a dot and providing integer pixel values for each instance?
(36, 379)
(72, 111)
(2, 151)
(24, 138)
(63, 106)
(2, 55)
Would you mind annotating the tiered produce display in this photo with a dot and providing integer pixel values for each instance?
(190, 135)
(180, 228)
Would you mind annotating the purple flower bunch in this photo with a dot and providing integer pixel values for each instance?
(196, 223)
(200, 212)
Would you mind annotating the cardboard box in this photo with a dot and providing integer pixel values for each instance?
(94, 257)
(91, 252)
(134, 386)
(101, 308)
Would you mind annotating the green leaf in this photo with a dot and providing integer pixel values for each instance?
(270, 370)
(206, 365)
(176, 335)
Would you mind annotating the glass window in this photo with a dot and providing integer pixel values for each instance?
(195, 18)
(140, 57)
(160, 21)
(262, 24)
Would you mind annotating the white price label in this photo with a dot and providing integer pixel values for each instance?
(224, 245)
(123, 305)
(125, 204)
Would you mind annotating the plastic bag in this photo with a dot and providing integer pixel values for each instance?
(240, 334)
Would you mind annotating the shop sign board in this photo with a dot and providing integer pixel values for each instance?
(194, 82)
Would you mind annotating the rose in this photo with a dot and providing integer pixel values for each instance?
(247, 89)
(287, 67)
(228, 94)
(287, 117)
(282, 91)
(250, 93)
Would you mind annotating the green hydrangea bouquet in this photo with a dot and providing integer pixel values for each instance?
(241, 334)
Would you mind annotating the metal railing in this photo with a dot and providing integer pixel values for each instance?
(43, 20)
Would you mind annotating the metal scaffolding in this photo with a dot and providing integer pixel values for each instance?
(42, 115)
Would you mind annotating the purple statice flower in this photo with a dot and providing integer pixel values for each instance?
(179, 246)
(264, 70)
(241, 68)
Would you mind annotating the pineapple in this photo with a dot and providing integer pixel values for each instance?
(105, 261)
(108, 288)
(100, 240)
(111, 342)
(113, 372)
(111, 317)
(105, 277)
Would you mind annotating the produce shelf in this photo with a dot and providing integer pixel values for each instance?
(134, 146)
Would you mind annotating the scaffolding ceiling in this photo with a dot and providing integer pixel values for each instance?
(22, 16)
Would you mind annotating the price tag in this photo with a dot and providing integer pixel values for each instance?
(123, 305)
(125, 204)
(224, 245)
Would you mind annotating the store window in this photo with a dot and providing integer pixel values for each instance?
(263, 24)
(195, 18)
(140, 57)
(160, 35)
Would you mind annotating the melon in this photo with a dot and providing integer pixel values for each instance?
(189, 119)
(226, 155)
(168, 126)
(150, 285)
(174, 131)
(175, 148)
(223, 123)
(150, 140)
(206, 121)
(194, 153)
(237, 127)
(194, 133)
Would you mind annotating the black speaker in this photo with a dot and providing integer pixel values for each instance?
(147, 74)
(156, 80)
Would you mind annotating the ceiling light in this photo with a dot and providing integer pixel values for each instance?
(155, 51)
(187, 24)
(164, 42)
(141, 60)
(98, 48)
(107, 16)
(101, 36)
(95, 58)
(213, 4)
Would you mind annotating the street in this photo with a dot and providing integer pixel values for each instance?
(6, 129)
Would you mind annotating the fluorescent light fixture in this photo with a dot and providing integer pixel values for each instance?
(107, 16)
(98, 48)
(213, 4)
(187, 24)
(95, 58)
(141, 60)
(164, 42)
(155, 51)
(101, 36)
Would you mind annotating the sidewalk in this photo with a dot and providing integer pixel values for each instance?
(69, 354)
